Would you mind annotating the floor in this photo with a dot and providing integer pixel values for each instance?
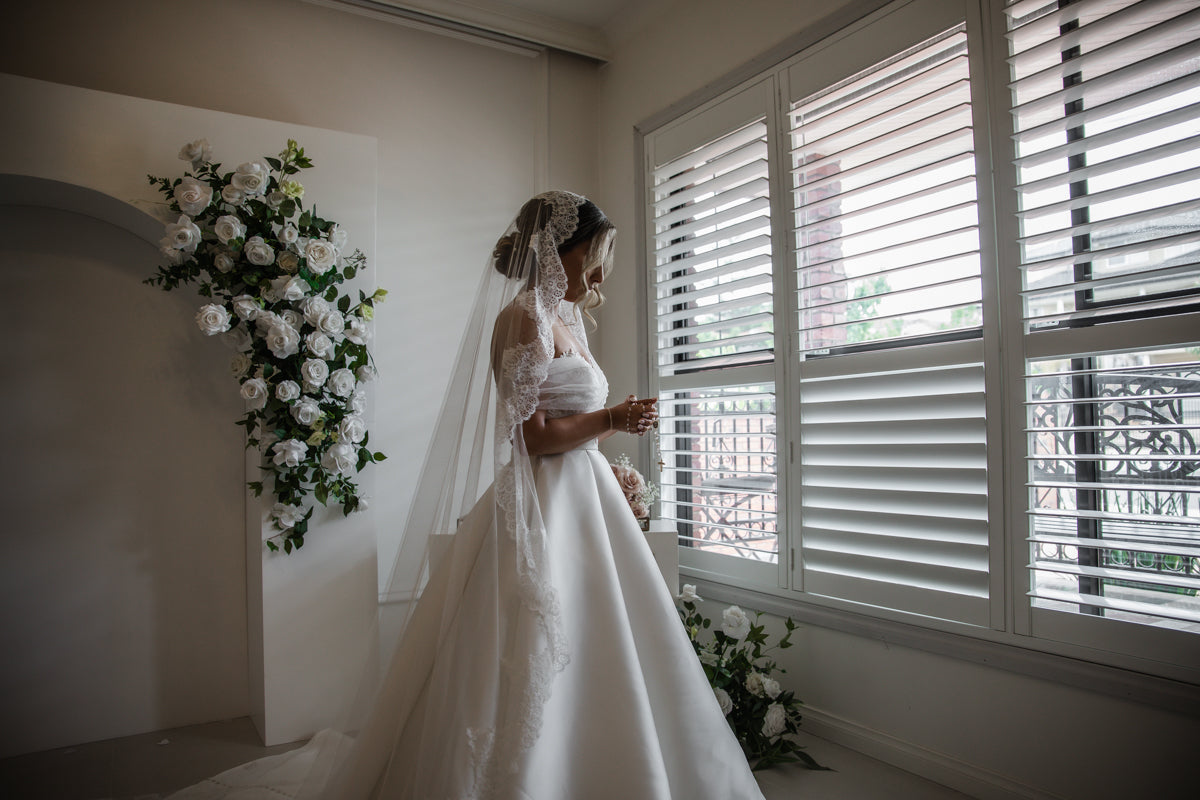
(148, 766)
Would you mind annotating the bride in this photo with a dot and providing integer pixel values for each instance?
(541, 657)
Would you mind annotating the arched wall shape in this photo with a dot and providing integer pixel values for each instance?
(122, 553)
(30, 190)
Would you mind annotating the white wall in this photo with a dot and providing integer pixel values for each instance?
(464, 136)
(116, 548)
(992, 732)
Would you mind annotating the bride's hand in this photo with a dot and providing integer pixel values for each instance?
(636, 416)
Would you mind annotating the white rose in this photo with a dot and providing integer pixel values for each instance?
(357, 330)
(254, 392)
(240, 365)
(265, 321)
(771, 687)
(213, 319)
(314, 308)
(288, 261)
(275, 199)
(283, 340)
(224, 262)
(319, 345)
(332, 323)
(167, 248)
(321, 256)
(292, 317)
(182, 235)
(754, 684)
(193, 196)
(228, 227)
(314, 371)
(233, 195)
(774, 721)
(688, 595)
(289, 234)
(735, 623)
(246, 307)
(198, 152)
(341, 382)
(366, 373)
(306, 411)
(724, 701)
(258, 252)
(287, 515)
(339, 458)
(238, 338)
(351, 429)
(363, 503)
(296, 289)
(252, 177)
(358, 401)
(287, 391)
(337, 236)
(289, 453)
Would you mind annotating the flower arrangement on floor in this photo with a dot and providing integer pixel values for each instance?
(639, 493)
(760, 712)
(272, 270)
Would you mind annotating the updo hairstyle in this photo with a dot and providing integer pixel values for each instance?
(593, 226)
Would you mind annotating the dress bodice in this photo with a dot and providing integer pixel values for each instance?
(573, 385)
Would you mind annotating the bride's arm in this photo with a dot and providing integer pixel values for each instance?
(548, 435)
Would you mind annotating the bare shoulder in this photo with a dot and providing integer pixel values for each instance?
(513, 325)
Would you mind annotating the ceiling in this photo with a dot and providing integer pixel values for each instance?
(585, 27)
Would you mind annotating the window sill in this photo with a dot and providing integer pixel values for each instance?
(1176, 696)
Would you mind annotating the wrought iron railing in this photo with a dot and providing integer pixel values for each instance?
(1119, 451)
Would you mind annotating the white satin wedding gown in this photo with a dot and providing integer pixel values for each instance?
(630, 717)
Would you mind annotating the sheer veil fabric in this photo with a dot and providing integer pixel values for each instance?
(539, 654)
(503, 361)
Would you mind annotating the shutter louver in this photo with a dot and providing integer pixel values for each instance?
(713, 301)
(1106, 114)
(895, 484)
(886, 226)
(719, 482)
(712, 249)
(1114, 462)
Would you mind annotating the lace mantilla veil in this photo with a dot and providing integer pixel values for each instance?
(503, 360)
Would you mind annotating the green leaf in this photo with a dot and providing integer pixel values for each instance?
(344, 304)
(379, 456)
(275, 163)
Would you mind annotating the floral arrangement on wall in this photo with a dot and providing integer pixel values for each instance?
(737, 663)
(273, 271)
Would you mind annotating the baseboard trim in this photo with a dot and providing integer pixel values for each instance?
(954, 773)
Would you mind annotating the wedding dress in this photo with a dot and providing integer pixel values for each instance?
(544, 659)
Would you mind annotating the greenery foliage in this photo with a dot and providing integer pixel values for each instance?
(273, 271)
(736, 660)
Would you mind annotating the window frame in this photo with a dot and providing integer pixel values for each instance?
(1017, 639)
